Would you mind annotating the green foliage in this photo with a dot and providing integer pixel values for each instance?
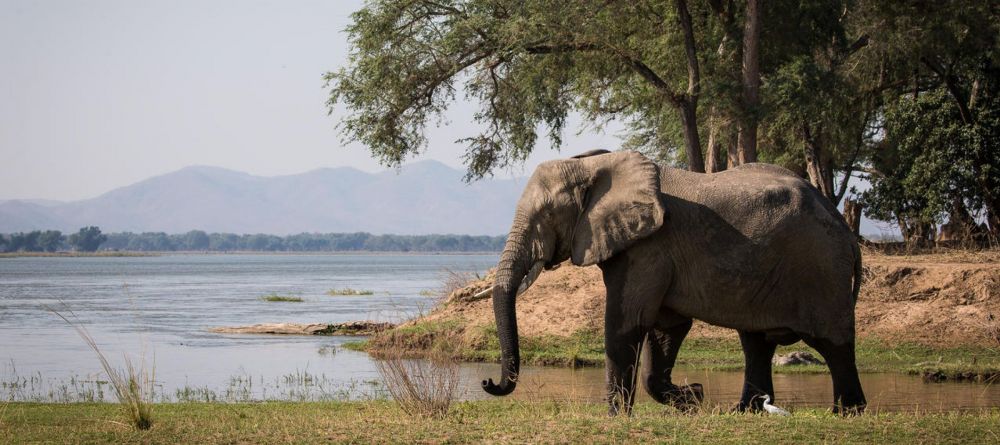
(931, 159)
(938, 63)
(50, 240)
(196, 240)
(528, 64)
(833, 76)
(34, 241)
(88, 239)
(923, 161)
(275, 298)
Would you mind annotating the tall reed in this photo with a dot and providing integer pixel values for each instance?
(133, 386)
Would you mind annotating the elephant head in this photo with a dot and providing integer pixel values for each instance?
(586, 208)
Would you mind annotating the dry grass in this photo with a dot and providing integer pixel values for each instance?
(424, 388)
(133, 386)
(935, 254)
(454, 280)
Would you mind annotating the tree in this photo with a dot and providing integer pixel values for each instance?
(528, 64)
(926, 173)
(196, 240)
(814, 78)
(50, 240)
(24, 242)
(88, 239)
(647, 63)
(937, 64)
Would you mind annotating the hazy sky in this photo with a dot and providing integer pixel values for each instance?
(96, 94)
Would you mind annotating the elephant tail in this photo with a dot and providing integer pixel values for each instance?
(857, 271)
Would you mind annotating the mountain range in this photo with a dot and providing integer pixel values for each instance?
(425, 197)
(420, 198)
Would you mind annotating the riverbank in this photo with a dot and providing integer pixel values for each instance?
(495, 421)
(936, 315)
(77, 254)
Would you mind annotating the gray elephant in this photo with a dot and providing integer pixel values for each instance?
(754, 248)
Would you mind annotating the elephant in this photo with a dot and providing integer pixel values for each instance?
(754, 248)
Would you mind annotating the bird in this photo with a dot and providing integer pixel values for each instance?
(771, 409)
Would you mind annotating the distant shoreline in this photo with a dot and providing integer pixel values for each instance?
(78, 254)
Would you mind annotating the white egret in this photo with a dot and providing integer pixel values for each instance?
(771, 409)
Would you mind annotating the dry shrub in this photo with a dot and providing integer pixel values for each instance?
(133, 386)
(455, 280)
(422, 387)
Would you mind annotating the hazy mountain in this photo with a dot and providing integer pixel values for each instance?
(421, 198)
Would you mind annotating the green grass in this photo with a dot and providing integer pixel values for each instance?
(347, 291)
(275, 298)
(493, 421)
(586, 348)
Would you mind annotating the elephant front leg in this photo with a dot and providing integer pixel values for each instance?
(635, 292)
(622, 361)
(660, 352)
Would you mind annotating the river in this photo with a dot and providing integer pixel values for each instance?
(159, 310)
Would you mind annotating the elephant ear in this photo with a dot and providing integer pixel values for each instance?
(623, 204)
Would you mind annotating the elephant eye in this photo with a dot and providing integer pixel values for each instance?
(585, 197)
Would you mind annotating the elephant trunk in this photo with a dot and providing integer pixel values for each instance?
(511, 270)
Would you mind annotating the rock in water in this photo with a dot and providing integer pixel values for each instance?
(796, 358)
(346, 328)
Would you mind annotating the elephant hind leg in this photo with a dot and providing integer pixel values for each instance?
(660, 352)
(757, 353)
(848, 397)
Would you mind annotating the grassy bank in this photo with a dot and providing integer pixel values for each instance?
(586, 348)
(495, 421)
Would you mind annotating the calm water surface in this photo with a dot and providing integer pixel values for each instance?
(161, 308)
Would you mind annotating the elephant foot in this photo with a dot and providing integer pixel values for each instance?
(682, 397)
(856, 408)
(754, 405)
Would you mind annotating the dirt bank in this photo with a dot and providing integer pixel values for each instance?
(941, 300)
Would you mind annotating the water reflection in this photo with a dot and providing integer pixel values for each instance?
(885, 392)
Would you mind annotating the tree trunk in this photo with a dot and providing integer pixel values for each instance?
(712, 164)
(689, 120)
(961, 226)
(732, 149)
(689, 107)
(751, 84)
(819, 171)
(852, 213)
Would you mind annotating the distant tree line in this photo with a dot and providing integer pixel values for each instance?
(90, 239)
(87, 239)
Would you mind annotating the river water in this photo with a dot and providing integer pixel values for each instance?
(159, 309)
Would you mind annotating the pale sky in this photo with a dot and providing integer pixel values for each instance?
(98, 94)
